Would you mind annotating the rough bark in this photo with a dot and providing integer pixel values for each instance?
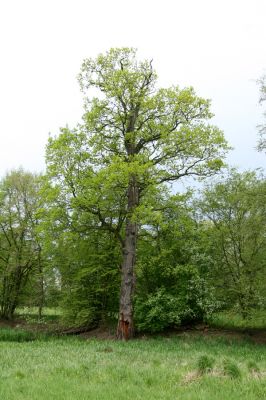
(41, 285)
(125, 328)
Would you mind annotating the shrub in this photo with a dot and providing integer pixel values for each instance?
(160, 311)
(181, 297)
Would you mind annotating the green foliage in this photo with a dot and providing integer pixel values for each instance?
(160, 311)
(171, 280)
(132, 129)
(20, 250)
(88, 275)
(233, 223)
(187, 300)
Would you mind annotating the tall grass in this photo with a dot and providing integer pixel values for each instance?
(146, 369)
(16, 335)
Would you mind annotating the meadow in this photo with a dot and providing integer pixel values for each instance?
(39, 366)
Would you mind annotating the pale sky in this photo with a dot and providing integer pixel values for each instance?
(217, 46)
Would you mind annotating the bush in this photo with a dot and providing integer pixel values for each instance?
(183, 297)
(160, 311)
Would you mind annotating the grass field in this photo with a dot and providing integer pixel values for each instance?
(187, 367)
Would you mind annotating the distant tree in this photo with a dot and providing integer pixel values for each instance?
(236, 238)
(134, 139)
(20, 250)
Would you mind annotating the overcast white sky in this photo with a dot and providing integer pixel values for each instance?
(217, 46)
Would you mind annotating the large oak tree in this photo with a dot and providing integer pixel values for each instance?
(135, 138)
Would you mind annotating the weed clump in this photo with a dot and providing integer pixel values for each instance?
(205, 364)
(20, 375)
(231, 369)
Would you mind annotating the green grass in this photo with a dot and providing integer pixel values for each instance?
(144, 369)
(16, 335)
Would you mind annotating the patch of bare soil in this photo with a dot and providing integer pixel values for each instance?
(254, 336)
(190, 377)
(99, 333)
(12, 324)
(258, 337)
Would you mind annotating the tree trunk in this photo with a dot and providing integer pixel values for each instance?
(41, 286)
(125, 328)
(10, 293)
